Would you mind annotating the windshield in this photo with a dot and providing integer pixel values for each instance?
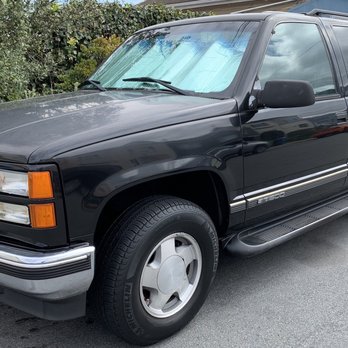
(200, 58)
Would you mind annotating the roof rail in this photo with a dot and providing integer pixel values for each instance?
(326, 13)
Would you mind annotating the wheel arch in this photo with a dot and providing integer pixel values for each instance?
(202, 187)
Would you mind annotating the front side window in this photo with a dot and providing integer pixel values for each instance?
(201, 58)
(296, 51)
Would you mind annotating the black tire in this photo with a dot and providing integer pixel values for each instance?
(125, 251)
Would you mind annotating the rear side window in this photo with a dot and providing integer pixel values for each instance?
(342, 35)
(296, 51)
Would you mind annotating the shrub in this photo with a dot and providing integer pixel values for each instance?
(90, 57)
(14, 69)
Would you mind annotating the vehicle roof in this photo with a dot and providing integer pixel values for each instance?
(261, 16)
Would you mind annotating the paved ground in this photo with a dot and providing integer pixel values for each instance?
(293, 296)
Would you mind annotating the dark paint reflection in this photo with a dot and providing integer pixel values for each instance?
(283, 130)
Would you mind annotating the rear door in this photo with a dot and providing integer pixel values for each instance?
(300, 154)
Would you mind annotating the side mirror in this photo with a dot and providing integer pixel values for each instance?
(286, 94)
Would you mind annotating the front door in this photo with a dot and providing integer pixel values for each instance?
(295, 157)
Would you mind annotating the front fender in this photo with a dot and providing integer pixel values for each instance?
(94, 174)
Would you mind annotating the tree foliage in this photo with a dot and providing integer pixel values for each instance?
(91, 56)
(46, 47)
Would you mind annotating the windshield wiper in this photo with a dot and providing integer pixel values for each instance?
(166, 84)
(95, 83)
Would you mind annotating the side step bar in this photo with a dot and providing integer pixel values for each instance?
(253, 242)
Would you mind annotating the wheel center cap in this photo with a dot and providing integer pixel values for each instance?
(171, 274)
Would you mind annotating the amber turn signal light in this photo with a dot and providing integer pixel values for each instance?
(42, 215)
(40, 185)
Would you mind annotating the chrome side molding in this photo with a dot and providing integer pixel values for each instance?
(287, 188)
(238, 206)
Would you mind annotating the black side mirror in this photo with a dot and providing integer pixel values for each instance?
(286, 94)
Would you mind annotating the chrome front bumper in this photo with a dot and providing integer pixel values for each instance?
(47, 276)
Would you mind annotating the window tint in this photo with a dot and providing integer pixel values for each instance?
(342, 34)
(296, 52)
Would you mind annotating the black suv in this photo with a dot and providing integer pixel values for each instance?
(225, 132)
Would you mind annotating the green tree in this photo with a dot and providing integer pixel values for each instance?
(91, 56)
(14, 68)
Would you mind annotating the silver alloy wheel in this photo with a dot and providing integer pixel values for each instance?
(170, 275)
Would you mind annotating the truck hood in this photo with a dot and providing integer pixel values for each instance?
(36, 130)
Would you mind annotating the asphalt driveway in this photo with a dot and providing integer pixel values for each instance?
(293, 296)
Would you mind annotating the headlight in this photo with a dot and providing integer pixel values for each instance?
(14, 213)
(35, 185)
(14, 183)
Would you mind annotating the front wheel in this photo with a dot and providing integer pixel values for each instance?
(156, 268)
